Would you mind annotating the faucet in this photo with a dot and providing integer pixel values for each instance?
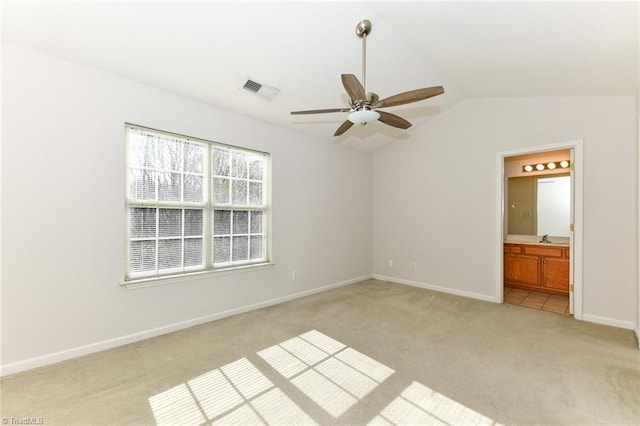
(545, 239)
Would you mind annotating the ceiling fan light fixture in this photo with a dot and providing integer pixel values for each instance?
(363, 116)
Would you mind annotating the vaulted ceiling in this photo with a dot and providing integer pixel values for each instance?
(206, 50)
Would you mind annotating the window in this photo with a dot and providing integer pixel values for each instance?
(192, 205)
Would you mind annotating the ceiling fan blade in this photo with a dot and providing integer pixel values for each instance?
(343, 128)
(393, 120)
(410, 96)
(353, 87)
(320, 111)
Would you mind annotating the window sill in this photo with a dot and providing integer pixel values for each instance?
(191, 276)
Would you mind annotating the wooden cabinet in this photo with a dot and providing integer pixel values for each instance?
(521, 269)
(537, 267)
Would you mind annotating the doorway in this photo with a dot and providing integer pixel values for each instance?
(507, 162)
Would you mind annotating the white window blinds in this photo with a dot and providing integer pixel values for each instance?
(192, 205)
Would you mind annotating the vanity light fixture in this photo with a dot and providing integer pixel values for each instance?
(552, 165)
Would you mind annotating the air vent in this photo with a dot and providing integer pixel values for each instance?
(262, 90)
(252, 86)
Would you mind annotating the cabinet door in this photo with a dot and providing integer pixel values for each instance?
(509, 267)
(555, 273)
(522, 269)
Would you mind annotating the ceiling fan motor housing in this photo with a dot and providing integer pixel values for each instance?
(368, 103)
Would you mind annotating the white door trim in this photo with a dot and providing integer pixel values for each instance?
(576, 241)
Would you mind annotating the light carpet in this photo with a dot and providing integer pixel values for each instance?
(367, 353)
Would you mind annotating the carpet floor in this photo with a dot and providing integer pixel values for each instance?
(367, 353)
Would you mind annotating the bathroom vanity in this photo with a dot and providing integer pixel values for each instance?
(537, 266)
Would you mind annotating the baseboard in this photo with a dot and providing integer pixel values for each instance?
(44, 360)
(484, 297)
(628, 325)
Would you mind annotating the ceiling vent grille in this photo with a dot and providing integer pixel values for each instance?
(262, 90)
(252, 86)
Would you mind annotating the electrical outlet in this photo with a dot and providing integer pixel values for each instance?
(413, 266)
(390, 263)
(294, 275)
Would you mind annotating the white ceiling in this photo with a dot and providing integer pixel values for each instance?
(206, 50)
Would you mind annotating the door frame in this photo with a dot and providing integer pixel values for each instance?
(575, 239)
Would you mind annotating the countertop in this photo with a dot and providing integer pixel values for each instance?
(536, 243)
(535, 240)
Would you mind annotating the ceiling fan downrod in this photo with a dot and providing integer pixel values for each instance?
(362, 30)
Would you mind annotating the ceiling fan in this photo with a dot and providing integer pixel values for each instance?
(363, 104)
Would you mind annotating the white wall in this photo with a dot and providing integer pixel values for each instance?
(63, 212)
(434, 196)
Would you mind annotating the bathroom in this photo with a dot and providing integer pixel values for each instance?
(537, 224)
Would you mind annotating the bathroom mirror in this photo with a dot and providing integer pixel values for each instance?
(539, 205)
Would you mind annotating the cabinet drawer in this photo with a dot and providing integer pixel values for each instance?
(507, 248)
(544, 251)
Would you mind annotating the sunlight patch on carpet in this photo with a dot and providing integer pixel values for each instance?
(316, 369)
(176, 406)
(420, 405)
(330, 373)
(237, 393)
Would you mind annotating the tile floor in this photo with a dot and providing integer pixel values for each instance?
(537, 300)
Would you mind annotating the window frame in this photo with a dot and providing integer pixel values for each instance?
(208, 206)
